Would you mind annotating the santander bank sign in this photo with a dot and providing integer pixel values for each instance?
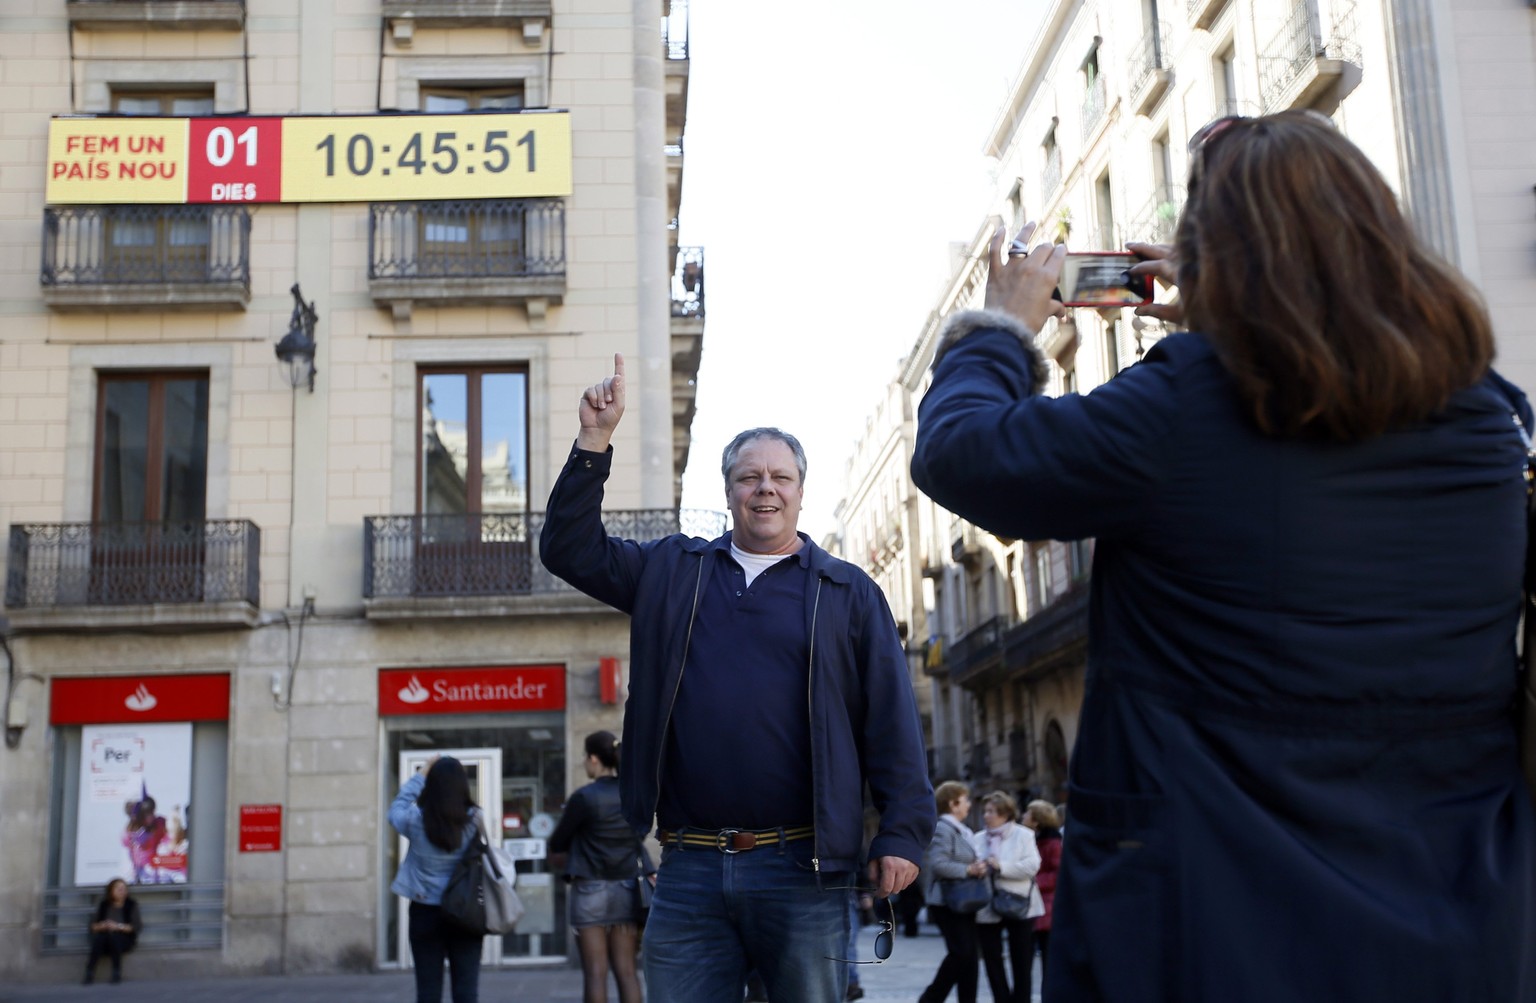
(471, 690)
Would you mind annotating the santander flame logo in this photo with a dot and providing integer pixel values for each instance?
(140, 699)
(414, 693)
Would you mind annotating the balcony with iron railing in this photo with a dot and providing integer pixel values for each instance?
(687, 331)
(979, 646)
(1158, 218)
(135, 15)
(1148, 69)
(467, 251)
(203, 573)
(1050, 177)
(485, 564)
(1301, 61)
(146, 257)
(674, 44)
(1095, 104)
(405, 16)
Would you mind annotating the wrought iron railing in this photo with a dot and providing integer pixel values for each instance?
(491, 554)
(175, 916)
(466, 238)
(1095, 101)
(1158, 219)
(127, 564)
(1050, 178)
(978, 645)
(674, 30)
(145, 244)
(1149, 56)
(1300, 43)
(688, 283)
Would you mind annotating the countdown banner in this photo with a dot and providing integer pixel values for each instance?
(375, 158)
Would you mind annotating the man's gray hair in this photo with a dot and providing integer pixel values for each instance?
(728, 458)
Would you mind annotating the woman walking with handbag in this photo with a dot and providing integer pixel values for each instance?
(439, 819)
(605, 866)
(1008, 849)
(951, 859)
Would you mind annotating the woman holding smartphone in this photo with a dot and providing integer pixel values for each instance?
(1296, 773)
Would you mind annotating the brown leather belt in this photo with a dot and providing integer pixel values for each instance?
(734, 840)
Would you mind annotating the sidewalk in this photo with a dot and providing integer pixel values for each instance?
(899, 980)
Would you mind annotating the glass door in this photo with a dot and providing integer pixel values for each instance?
(484, 769)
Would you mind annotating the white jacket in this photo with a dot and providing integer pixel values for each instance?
(1018, 860)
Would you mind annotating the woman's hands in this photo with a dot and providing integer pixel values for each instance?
(1021, 284)
(976, 868)
(1157, 261)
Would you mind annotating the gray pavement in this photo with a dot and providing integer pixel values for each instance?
(899, 980)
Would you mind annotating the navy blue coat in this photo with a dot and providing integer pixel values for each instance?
(1295, 776)
(864, 722)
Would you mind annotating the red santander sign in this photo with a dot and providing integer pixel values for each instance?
(471, 690)
(126, 699)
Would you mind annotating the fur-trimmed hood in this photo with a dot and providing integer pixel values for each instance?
(965, 322)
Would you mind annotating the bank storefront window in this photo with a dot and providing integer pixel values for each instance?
(507, 725)
(140, 768)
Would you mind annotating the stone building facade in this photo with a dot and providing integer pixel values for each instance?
(244, 597)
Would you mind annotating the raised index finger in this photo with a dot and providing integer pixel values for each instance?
(618, 363)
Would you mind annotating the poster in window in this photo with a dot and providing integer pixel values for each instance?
(135, 800)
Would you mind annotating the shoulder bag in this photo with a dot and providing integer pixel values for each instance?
(1011, 905)
(479, 897)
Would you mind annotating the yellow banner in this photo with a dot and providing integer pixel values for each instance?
(392, 158)
(113, 160)
(375, 158)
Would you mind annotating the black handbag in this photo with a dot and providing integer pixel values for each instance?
(1011, 905)
(965, 895)
(478, 898)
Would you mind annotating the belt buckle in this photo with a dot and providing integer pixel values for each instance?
(725, 841)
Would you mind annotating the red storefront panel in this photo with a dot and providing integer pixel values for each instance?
(131, 699)
(472, 690)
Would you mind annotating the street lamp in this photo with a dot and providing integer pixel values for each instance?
(297, 349)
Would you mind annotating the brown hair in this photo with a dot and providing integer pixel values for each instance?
(1044, 814)
(946, 794)
(1004, 803)
(1296, 262)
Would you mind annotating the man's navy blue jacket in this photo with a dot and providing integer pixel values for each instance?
(1295, 774)
(864, 721)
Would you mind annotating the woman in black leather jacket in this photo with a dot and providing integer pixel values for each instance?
(605, 863)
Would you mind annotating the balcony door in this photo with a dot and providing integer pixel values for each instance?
(472, 495)
(149, 504)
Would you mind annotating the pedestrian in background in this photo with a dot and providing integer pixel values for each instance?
(1008, 849)
(1043, 818)
(951, 856)
(114, 929)
(438, 818)
(604, 864)
(1296, 772)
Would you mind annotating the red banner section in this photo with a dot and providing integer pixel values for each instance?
(126, 699)
(261, 828)
(471, 690)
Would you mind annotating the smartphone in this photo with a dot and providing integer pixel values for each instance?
(1103, 279)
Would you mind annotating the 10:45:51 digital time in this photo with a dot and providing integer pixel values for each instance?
(359, 155)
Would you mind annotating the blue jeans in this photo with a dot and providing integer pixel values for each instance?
(433, 940)
(716, 916)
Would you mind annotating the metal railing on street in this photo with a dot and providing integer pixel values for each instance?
(143, 244)
(492, 554)
(466, 238)
(126, 564)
